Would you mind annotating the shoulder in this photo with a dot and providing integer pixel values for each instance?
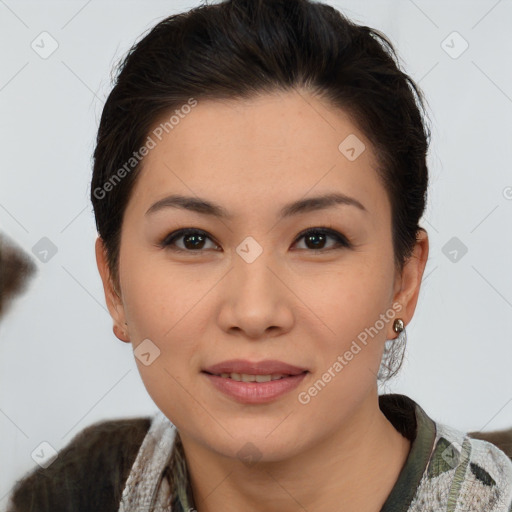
(486, 460)
(501, 438)
(491, 467)
(88, 474)
(471, 474)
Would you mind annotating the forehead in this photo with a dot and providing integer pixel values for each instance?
(272, 148)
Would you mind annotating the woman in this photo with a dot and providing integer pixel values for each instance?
(259, 177)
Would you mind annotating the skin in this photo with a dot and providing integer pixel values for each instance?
(294, 304)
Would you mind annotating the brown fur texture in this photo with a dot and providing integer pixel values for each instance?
(16, 268)
(89, 473)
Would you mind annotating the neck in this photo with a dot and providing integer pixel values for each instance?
(353, 470)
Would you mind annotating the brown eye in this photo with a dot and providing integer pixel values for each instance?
(316, 239)
(193, 240)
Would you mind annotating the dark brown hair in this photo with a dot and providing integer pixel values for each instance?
(241, 48)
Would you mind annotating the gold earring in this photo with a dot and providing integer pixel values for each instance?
(398, 325)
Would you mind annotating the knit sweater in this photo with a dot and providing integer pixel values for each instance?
(445, 471)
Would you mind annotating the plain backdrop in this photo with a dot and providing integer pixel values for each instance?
(61, 367)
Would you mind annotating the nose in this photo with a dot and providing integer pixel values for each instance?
(257, 303)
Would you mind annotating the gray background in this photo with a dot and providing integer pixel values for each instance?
(61, 368)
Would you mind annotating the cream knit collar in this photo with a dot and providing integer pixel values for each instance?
(146, 489)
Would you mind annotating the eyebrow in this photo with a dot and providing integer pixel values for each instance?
(206, 207)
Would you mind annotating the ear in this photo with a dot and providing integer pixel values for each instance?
(408, 282)
(112, 298)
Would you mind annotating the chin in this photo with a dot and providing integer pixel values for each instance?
(257, 446)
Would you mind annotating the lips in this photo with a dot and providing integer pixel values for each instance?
(254, 383)
(240, 367)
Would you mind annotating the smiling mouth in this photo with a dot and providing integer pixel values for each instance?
(245, 377)
(255, 388)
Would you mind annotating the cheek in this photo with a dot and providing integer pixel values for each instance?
(351, 303)
(353, 298)
(170, 305)
(158, 298)
(160, 308)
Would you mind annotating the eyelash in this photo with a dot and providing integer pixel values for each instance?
(341, 241)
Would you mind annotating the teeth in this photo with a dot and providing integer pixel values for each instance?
(244, 377)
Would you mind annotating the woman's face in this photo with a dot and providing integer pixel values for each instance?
(250, 285)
